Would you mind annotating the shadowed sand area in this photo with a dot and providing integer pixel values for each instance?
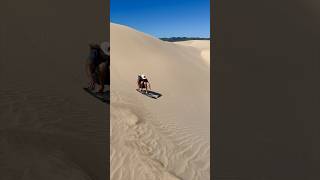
(165, 138)
(49, 127)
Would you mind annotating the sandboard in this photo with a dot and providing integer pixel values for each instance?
(101, 96)
(150, 94)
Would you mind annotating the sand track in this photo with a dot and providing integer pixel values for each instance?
(157, 149)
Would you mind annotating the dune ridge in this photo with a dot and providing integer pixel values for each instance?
(166, 138)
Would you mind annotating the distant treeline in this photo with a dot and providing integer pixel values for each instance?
(175, 39)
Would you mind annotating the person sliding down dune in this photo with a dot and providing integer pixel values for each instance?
(97, 65)
(143, 83)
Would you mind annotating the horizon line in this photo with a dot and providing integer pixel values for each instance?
(158, 36)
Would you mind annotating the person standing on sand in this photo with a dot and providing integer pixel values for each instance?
(97, 65)
(143, 83)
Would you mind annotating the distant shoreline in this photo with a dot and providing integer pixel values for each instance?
(176, 39)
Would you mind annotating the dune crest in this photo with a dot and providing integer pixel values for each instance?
(165, 138)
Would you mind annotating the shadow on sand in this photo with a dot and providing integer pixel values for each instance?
(155, 94)
(151, 94)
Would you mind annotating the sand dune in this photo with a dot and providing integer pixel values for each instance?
(165, 138)
(202, 45)
(50, 129)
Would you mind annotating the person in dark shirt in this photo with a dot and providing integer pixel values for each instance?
(143, 83)
(97, 67)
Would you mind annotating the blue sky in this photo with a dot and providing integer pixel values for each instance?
(164, 18)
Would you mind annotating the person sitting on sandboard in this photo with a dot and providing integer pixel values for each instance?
(143, 83)
(96, 67)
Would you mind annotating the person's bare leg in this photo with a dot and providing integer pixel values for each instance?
(146, 86)
(102, 76)
(139, 84)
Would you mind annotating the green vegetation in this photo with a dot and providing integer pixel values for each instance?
(175, 39)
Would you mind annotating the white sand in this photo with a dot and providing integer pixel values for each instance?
(165, 138)
(202, 45)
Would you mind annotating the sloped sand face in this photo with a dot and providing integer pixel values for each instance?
(50, 129)
(202, 45)
(165, 138)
